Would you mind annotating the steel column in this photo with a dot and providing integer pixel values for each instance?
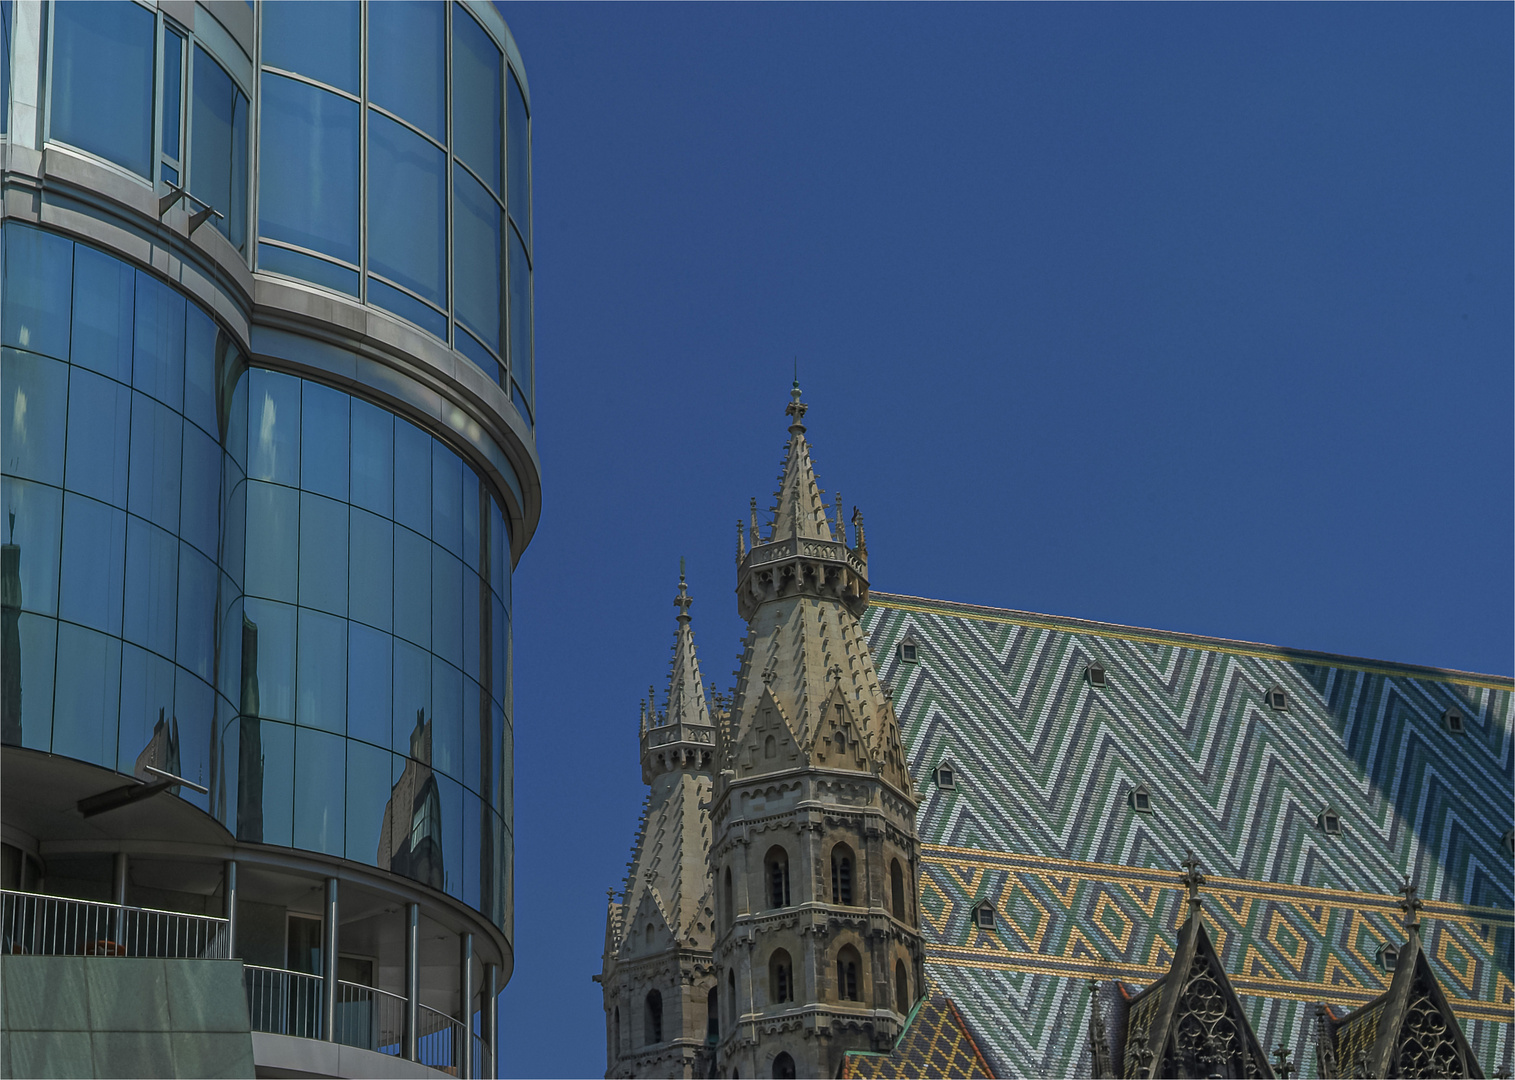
(465, 1002)
(118, 882)
(229, 905)
(413, 981)
(329, 964)
(492, 1019)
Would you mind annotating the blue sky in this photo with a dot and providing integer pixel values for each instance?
(1189, 317)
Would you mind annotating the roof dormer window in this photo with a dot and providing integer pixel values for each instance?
(1141, 799)
(909, 651)
(1388, 957)
(1278, 699)
(983, 916)
(946, 776)
(1329, 822)
(1454, 721)
(1095, 673)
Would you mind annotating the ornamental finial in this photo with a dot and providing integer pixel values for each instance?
(1193, 879)
(1410, 905)
(796, 409)
(682, 600)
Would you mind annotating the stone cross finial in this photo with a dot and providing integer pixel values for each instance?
(682, 600)
(796, 409)
(857, 527)
(1283, 1068)
(1410, 905)
(1193, 879)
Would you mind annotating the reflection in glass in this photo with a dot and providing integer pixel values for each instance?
(278, 790)
(319, 40)
(218, 170)
(102, 330)
(156, 446)
(447, 607)
(194, 705)
(33, 396)
(413, 583)
(477, 258)
(250, 742)
(147, 694)
(413, 477)
(152, 580)
(412, 695)
(323, 440)
(200, 362)
(401, 303)
(273, 669)
(519, 127)
(102, 81)
(371, 570)
(322, 678)
(197, 612)
(158, 342)
(38, 280)
(406, 54)
(89, 682)
(273, 427)
(173, 87)
(373, 457)
(38, 636)
(273, 515)
(446, 498)
(10, 642)
(476, 119)
(410, 836)
(320, 771)
(323, 554)
(368, 792)
(520, 318)
(447, 717)
(98, 435)
(370, 684)
(407, 209)
(33, 516)
(161, 750)
(308, 164)
(94, 563)
(201, 493)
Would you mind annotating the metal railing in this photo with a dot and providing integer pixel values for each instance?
(283, 1002)
(370, 1018)
(58, 926)
(480, 1055)
(441, 1040)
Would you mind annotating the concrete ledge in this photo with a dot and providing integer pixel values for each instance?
(291, 1056)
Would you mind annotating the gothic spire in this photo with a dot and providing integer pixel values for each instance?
(686, 689)
(801, 510)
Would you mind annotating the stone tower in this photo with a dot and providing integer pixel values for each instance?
(814, 857)
(657, 975)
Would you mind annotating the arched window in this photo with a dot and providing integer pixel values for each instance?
(777, 865)
(841, 874)
(617, 1043)
(712, 1018)
(847, 965)
(648, 938)
(731, 994)
(901, 988)
(841, 743)
(652, 1018)
(897, 889)
(730, 907)
(770, 747)
(783, 1067)
(780, 977)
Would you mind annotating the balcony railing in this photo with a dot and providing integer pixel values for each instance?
(283, 1002)
(441, 1040)
(58, 926)
(370, 1018)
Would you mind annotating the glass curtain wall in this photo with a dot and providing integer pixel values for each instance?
(398, 172)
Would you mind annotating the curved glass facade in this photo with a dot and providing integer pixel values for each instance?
(254, 581)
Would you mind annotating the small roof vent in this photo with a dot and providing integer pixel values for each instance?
(1329, 822)
(1141, 799)
(946, 776)
(909, 651)
(1454, 721)
(1388, 957)
(1095, 673)
(1278, 699)
(983, 915)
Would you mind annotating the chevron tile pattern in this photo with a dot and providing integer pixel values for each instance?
(1041, 822)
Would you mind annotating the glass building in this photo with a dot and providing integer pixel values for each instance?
(267, 406)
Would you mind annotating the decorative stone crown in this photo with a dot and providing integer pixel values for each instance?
(680, 736)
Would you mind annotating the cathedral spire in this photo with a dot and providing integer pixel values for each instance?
(801, 510)
(681, 735)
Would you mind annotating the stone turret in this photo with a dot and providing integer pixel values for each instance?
(657, 974)
(814, 856)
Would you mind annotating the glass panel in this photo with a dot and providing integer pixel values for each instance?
(170, 175)
(202, 490)
(471, 639)
(499, 548)
(368, 794)
(173, 88)
(197, 612)
(219, 162)
(229, 678)
(323, 554)
(520, 158)
(236, 424)
(476, 257)
(272, 800)
(26, 707)
(158, 355)
(413, 587)
(273, 515)
(98, 436)
(497, 644)
(33, 399)
(323, 440)
(407, 209)
(373, 458)
(103, 316)
(322, 681)
(470, 518)
(94, 563)
(102, 93)
(500, 741)
(147, 698)
(447, 713)
(156, 449)
(470, 868)
(446, 498)
(371, 574)
(450, 794)
(194, 704)
(412, 699)
(152, 584)
(474, 764)
(319, 40)
(268, 659)
(520, 317)
(413, 477)
(476, 119)
(39, 271)
(447, 607)
(406, 56)
(407, 307)
(308, 167)
(470, 347)
(277, 260)
(370, 687)
(273, 427)
(200, 371)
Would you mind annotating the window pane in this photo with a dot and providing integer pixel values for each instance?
(470, 347)
(26, 719)
(102, 98)
(413, 477)
(371, 570)
(273, 800)
(147, 694)
(94, 563)
(105, 287)
(476, 119)
(33, 397)
(475, 723)
(39, 269)
(200, 371)
(520, 317)
(447, 711)
(407, 209)
(273, 422)
(219, 139)
(150, 614)
(319, 40)
(368, 793)
(470, 518)
(323, 554)
(98, 436)
(308, 167)
(406, 306)
(89, 688)
(447, 607)
(413, 587)
(32, 524)
(277, 260)
(322, 684)
(194, 707)
(412, 694)
(273, 515)
(156, 448)
(446, 498)
(476, 257)
(373, 457)
(520, 159)
(158, 342)
(471, 624)
(269, 681)
(196, 628)
(323, 440)
(201, 490)
(406, 55)
(370, 689)
(173, 87)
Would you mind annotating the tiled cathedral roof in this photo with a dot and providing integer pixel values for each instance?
(1041, 821)
(936, 1042)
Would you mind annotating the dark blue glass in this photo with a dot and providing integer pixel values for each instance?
(200, 496)
(447, 712)
(412, 696)
(477, 258)
(33, 521)
(308, 168)
(276, 800)
(412, 477)
(370, 684)
(446, 498)
(158, 342)
(451, 795)
(323, 440)
(277, 260)
(99, 431)
(500, 791)
(373, 458)
(200, 371)
(520, 318)
(470, 878)
(273, 427)
(273, 527)
(39, 641)
(368, 793)
(38, 287)
(102, 81)
(102, 332)
(197, 613)
(323, 554)
(413, 587)
(235, 441)
(472, 348)
(194, 709)
(476, 106)
(519, 128)
(407, 209)
(147, 695)
(498, 629)
(471, 534)
(173, 90)
(447, 606)
(474, 724)
(229, 678)
(322, 679)
(86, 707)
(234, 539)
(94, 563)
(408, 307)
(407, 52)
(157, 444)
(371, 573)
(318, 40)
(33, 397)
(471, 624)
(274, 675)
(219, 137)
(150, 615)
(499, 550)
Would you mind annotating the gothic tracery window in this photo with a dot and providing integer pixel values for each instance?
(780, 977)
(897, 889)
(652, 1018)
(847, 964)
(777, 866)
(841, 874)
